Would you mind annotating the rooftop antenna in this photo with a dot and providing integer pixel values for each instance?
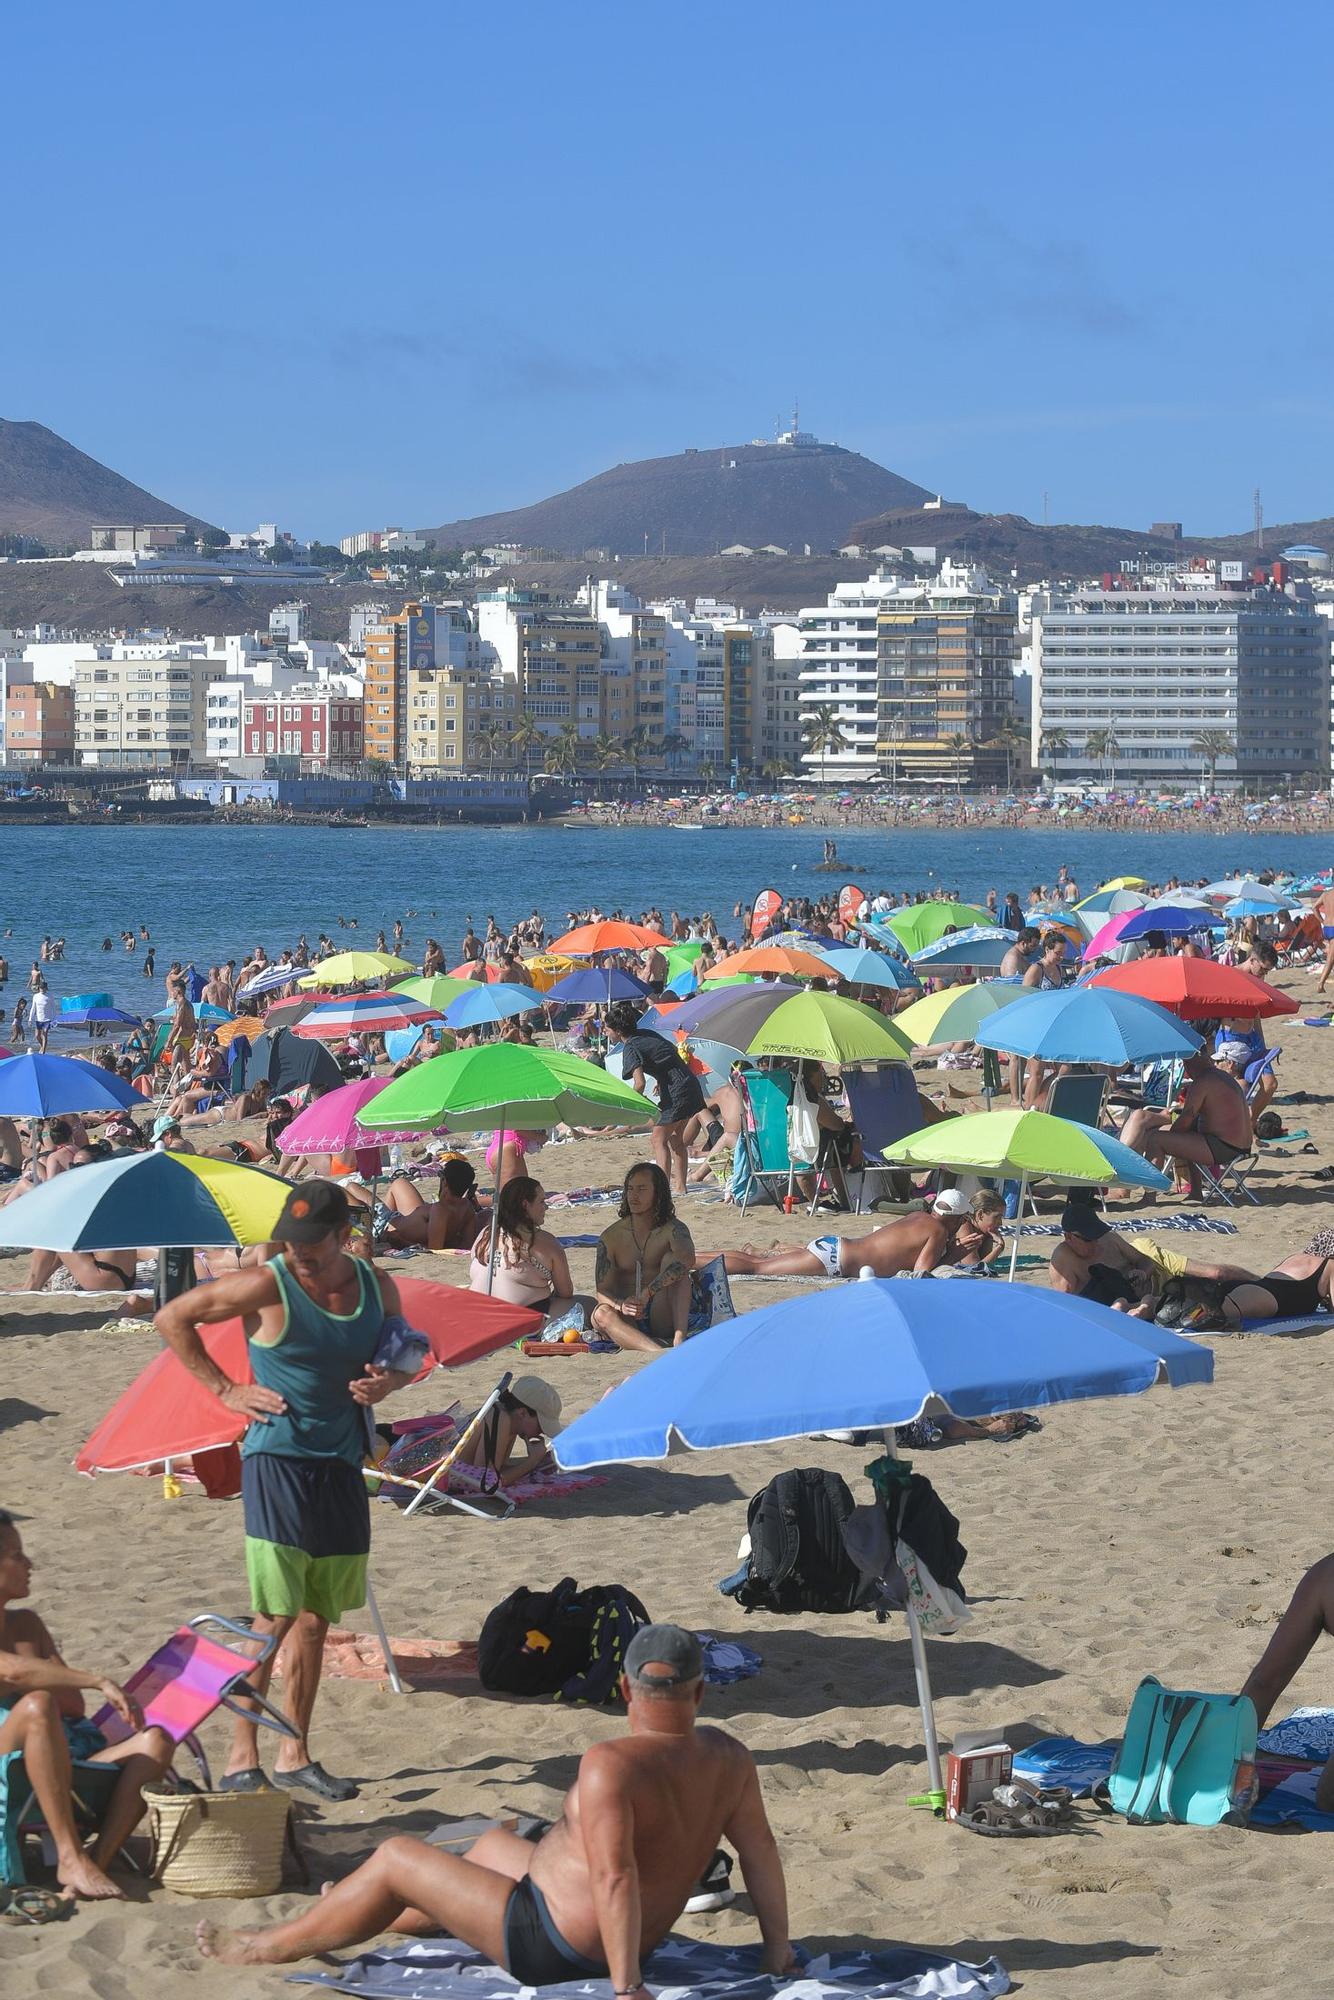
(1259, 522)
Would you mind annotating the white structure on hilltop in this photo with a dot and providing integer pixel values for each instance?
(1130, 683)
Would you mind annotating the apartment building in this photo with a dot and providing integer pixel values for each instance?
(839, 670)
(762, 697)
(945, 684)
(1127, 681)
(39, 723)
(148, 706)
(461, 719)
(319, 724)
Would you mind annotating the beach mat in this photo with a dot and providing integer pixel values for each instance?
(1287, 1779)
(435, 1663)
(1303, 1323)
(1185, 1225)
(443, 1969)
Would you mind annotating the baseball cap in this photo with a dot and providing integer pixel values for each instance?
(541, 1399)
(1232, 1052)
(165, 1124)
(949, 1202)
(666, 1646)
(1080, 1218)
(315, 1209)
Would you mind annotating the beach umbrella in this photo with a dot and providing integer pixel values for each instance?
(435, 990)
(1124, 882)
(1172, 919)
(596, 986)
(1232, 886)
(684, 953)
(788, 961)
(787, 1370)
(365, 1014)
(473, 972)
(353, 968)
(1088, 1024)
(729, 1013)
(283, 1061)
(712, 1062)
(75, 1003)
(1255, 906)
(286, 1013)
(955, 1013)
(82, 1017)
(1024, 1145)
(165, 1413)
(329, 1124)
(857, 966)
(1109, 902)
(491, 1003)
(1195, 989)
(823, 1027)
(684, 983)
(268, 981)
(206, 1014)
(608, 934)
(247, 1025)
(544, 968)
(1107, 938)
(922, 923)
(38, 1086)
(176, 1200)
(980, 946)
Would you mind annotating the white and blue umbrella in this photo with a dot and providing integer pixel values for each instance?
(1075, 1025)
(979, 945)
(491, 1003)
(859, 967)
(787, 1370)
(268, 981)
(83, 1017)
(1256, 906)
(718, 1059)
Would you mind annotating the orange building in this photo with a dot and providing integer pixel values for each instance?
(39, 723)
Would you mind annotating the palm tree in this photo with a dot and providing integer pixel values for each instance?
(824, 733)
(568, 733)
(487, 742)
(1103, 745)
(1211, 744)
(956, 745)
(1053, 743)
(633, 748)
(671, 747)
(524, 736)
(604, 751)
(561, 756)
(1010, 738)
(774, 769)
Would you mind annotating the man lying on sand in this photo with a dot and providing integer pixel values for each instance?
(1308, 1618)
(42, 1717)
(603, 1887)
(1127, 1273)
(912, 1243)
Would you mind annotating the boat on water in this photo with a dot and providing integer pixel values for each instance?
(687, 826)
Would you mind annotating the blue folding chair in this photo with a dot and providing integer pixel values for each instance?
(885, 1105)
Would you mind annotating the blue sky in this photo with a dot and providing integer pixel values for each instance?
(343, 266)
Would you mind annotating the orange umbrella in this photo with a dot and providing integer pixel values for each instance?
(784, 958)
(244, 1024)
(608, 935)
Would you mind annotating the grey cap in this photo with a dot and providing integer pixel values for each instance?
(664, 1646)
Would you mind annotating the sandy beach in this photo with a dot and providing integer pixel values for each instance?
(1160, 1533)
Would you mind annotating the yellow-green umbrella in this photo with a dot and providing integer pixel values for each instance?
(955, 1013)
(352, 968)
(824, 1027)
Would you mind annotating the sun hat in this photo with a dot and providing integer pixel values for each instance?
(539, 1397)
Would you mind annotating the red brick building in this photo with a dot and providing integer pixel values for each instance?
(316, 724)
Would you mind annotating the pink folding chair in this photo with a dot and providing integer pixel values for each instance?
(190, 1677)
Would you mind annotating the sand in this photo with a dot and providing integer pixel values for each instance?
(1160, 1533)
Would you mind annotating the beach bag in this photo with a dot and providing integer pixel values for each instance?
(616, 1619)
(803, 1126)
(798, 1560)
(222, 1843)
(710, 1297)
(1185, 1757)
(939, 1609)
(555, 1642)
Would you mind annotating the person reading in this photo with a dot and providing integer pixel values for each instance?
(601, 1889)
(643, 1269)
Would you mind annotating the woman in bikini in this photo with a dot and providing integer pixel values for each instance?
(531, 1268)
(1295, 1289)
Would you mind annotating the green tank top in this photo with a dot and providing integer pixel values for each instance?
(310, 1362)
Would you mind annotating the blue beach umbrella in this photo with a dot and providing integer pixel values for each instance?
(1255, 906)
(684, 983)
(729, 1013)
(81, 1017)
(595, 986)
(860, 967)
(976, 946)
(75, 1003)
(718, 1059)
(1073, 1025)
(1172, 919)
(205, 1012)
(789, 1369)
(491, 1003)
(37, 1086)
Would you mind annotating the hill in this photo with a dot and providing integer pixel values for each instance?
(81, 598)
(698, 502)
(53, 491)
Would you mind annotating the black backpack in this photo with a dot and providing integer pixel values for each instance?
(798, 1561)
(565, 1642)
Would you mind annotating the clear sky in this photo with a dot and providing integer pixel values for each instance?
(344, 266)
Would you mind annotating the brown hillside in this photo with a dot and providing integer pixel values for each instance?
(53, 491)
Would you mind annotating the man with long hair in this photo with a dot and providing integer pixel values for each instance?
(644, 1263)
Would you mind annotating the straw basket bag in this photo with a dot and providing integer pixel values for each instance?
(220, 1843)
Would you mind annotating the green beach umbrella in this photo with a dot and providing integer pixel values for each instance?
(955, 1013)
(436, 991)
(683, 954)
(504, 1084)
(1023, 1145)
(922, 923)
(824, 1027)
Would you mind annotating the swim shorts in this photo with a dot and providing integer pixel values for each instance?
(1170, 1262)
(830, 1253)
(535, 1952)
(307, 1535)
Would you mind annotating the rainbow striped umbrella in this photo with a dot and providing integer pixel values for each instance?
(363, 1013)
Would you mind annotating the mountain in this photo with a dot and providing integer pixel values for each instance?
(699, 502)
(53, 491)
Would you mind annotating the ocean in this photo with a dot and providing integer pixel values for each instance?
(211, 893)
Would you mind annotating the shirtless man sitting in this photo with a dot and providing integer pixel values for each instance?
(643, 1269)
(1126, 1273)
(1212, 1128)
(1308, 1617)
(912, 1243)
(599, 1892)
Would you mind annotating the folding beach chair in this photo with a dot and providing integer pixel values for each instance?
(421, 1461)
(184, 1682)
(1078, 1097)
(1225, 1182)
(767, 1156)
(885, 1105)
(1256, 1072)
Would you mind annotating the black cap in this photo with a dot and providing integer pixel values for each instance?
(667, 1646)
(313, 1210)
(1080, 1218)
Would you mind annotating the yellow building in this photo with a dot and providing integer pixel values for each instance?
(459, 719)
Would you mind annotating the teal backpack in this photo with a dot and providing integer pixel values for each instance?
(1185, 1757)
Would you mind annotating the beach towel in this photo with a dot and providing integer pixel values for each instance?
(443, 1969)
(1189, 1225)
(436, 1663)
(1287, 1780)
(1312, 1322)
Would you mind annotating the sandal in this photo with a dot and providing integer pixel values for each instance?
(23, 1905)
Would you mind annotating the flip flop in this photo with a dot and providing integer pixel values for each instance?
(24, 1905)
(314, 1778)
(252, 1780)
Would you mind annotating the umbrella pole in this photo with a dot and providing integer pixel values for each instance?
(495, 1206)
(935, 1795)
(383, 1638)
(1018, 1218)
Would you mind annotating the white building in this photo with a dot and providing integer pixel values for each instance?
(144, 706)
(840, 670)
(1159, 664)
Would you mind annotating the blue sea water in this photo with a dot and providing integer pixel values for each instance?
(210, 893)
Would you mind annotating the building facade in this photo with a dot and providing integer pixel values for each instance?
(945, 680)
(320, 726)
(149, 708)
(1130, 683)
(39, 723)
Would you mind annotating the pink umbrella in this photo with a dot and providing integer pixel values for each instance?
(329, 1125)
(1103, 940)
